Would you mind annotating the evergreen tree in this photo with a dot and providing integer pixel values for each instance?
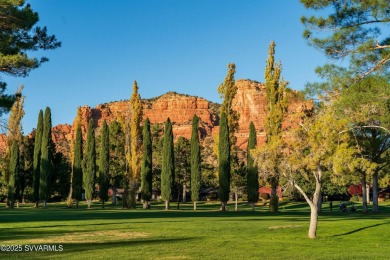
(89, 164)
(252, 171)
(77, 169)
(146, 165)
(182, 149)
(117, 157)
(14, 178)
(37, 157)
(20, 36)
(224, 161)
(195, 161)
(104, 163)
(352, 30)
(168, 166)
(46, 158)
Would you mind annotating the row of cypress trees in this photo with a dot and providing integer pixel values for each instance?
(84, 167)
(85, 176)
(168, 163)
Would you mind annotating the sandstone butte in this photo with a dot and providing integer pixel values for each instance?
(250, 102)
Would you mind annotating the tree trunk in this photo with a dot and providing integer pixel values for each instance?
(44, 203)
(89, 203)
(146, 204)
(274, 200)
(313, 221)
(103, 204)
(184, 193)
(312, 203)
(253, 206)
(375, 207)
(133, 194)
(319, 204)
(77, 204)
(194, 205)
(223, 205)
(364, 192)
(236, 200)
(37, 204)
(113, 195)
(368, 194)
(167, 205)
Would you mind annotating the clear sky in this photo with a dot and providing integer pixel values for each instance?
(166, 45)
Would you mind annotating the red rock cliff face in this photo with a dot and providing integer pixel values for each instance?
(179, 108)
(250, 102)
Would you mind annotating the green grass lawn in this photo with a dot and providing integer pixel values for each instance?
(115, 233)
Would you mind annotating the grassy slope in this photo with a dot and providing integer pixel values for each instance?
(184, 234)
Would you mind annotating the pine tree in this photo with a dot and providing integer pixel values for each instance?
(14, 178)
(252, 171)
(195, 161)
(90, 164)
(224, 161)
(77, 169)
(168, 166)
(146, 165)
(37, 157)
(20, 37)
(46, 158)
(104, 163)
(276, 111)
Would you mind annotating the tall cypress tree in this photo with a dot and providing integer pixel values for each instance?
(224, 161)
(14, 177)
(90, 164)
(146, 165)
(195, 161)
(77, 169)
(37, 157)
(168, 166)
(104, 164)
(46, 158)
(252, 171)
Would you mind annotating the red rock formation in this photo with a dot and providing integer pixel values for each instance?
(250, 102)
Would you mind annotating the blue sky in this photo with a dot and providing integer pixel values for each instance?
(170, 45)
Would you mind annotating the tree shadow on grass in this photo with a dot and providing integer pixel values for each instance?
(83, 247)
(360, 229)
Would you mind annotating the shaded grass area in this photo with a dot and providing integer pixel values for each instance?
(208, 233)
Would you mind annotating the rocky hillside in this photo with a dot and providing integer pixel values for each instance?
(250, 102)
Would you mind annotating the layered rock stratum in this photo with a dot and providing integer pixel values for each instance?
(249, 102)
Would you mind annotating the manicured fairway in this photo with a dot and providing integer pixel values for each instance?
(114, 233)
